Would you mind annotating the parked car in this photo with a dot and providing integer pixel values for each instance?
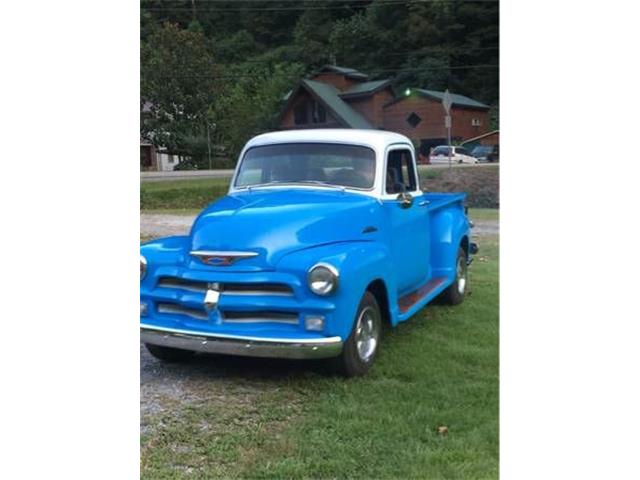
(458, 155)
(324, 236)
(486, 153)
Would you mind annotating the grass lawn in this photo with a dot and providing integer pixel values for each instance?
(438, 369)
(484, 214)
(181, 194)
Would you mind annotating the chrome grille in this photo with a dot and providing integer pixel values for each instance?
(272, 289)
(175, 309)
(261, 316)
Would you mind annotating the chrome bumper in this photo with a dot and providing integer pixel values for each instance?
(296, 348)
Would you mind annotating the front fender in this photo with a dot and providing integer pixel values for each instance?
(358, 264)
(165, 251)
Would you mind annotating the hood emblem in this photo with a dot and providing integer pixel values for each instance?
(221, 258)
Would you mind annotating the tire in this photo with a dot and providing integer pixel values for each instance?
(454, 294)
(168, 354)
(361, 348)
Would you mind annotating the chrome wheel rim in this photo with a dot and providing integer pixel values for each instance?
(367, 334)
(461, 273)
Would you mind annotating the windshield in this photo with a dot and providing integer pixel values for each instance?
(348, 166)
(481, 150)
(440, 151)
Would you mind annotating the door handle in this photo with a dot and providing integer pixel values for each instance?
(423, 203)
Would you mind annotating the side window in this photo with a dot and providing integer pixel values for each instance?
(318, 113)
(300, 114)
(400, 175)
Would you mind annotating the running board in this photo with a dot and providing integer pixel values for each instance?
(410, 299)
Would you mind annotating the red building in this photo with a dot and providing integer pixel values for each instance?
(337, 97)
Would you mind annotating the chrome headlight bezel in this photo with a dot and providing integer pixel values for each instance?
(143, 267)
(331, 279)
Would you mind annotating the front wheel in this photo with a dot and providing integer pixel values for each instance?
(454, 294)
(360, 349)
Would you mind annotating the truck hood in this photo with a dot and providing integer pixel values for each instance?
(275, 222)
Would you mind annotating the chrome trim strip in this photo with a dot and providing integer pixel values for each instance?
(260, 320)
(249, 293)
(199, 286)
(220, 253)
(292, 319)
(177, 310)
(301, 348)
(182, 286)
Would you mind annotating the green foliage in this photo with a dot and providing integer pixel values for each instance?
(176, 84)
(229, 63)
(252, 101)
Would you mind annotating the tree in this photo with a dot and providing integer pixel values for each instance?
(177, 86)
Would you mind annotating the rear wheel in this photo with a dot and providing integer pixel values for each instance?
(454, 294)
(168, 354)
(360, 349)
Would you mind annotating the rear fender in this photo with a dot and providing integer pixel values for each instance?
(449, 230)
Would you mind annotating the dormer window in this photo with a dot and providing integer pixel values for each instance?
(318, 112)
(300, 114)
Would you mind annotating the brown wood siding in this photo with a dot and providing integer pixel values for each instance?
(364, 106)
(432, 119)
(372, 107)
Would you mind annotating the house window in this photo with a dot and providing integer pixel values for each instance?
(300, 114)
(475, 122)
(318, 113)
(414, 119)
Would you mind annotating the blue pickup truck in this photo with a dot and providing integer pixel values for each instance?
(324, 236)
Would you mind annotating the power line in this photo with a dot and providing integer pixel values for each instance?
(335, 7)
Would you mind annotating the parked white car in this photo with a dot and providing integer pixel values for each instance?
(458, 155)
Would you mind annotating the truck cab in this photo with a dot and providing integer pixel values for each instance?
(324, 236)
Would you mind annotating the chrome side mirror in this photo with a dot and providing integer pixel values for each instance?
(405, 200)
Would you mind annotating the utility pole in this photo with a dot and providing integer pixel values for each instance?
(446, 103)
(209, 145)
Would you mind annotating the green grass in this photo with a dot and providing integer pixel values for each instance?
(438, 369)
(484, 214)
(181, 194)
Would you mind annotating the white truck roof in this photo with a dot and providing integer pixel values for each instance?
(376, 139)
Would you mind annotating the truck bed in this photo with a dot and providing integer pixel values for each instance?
(439, 200)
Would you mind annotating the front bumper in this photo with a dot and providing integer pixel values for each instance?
(294, 348)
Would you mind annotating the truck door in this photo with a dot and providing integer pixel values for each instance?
(410, 248)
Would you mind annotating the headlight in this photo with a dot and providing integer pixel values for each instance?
(323, 279)
(143, 267)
